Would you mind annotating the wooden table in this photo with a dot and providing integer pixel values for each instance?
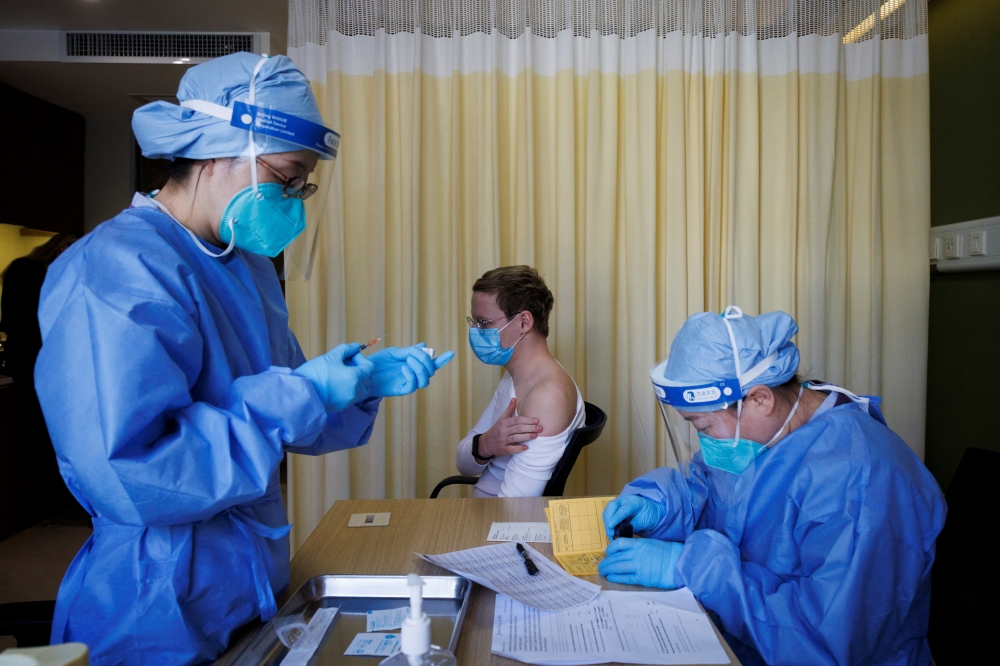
(423, 526)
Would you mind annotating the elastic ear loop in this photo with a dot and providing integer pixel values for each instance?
(726, 316)
(229, 248)
(194, 236)
(733, 312)
(505, 326)
(253, 146)
(253, 175)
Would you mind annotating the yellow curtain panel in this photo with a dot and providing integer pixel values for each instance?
(653, 159)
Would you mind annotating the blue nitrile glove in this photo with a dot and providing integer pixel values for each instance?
(403, 371)
(648, 562)
(342, 376)
(644, 514)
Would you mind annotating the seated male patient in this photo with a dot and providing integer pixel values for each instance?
(537, 406)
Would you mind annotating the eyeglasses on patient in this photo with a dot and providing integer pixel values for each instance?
(481, 323)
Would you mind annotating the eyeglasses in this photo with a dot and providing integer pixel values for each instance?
(295, 187)
(481, 323)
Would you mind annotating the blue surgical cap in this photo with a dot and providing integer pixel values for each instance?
(702, 354)
(165, 130)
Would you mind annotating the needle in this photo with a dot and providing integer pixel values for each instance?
(371, 343)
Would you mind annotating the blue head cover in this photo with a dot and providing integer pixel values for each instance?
(165, 130)
(701, 375)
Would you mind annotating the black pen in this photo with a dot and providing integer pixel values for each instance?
(528, 564)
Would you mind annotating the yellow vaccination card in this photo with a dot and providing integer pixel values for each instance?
(578, 535)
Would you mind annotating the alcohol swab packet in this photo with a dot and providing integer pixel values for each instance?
(386, 620)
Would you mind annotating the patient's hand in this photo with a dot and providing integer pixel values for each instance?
(506, 435)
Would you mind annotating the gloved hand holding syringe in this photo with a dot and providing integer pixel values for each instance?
(372, 343)
(344, 376)
(403, 371)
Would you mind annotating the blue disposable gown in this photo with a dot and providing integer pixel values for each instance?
(165, 382)
(820, 553)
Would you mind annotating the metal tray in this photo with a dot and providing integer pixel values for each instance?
(446, 599)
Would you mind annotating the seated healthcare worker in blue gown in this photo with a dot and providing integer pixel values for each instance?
(172, 385)
(804, 523)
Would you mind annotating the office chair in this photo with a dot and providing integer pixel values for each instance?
(965, 584)
(581, 437)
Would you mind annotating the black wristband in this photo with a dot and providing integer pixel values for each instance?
(475, 450)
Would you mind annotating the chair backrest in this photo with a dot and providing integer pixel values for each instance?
(581, 437)
(965, 584)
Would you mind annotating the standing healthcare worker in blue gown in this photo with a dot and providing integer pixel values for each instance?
(804, 523)
(172, 385)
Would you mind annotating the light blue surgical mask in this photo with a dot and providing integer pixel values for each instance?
(485, 343)
(729, 455)
(265, 222)
(735, 454)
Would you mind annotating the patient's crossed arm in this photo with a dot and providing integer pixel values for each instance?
(508, 434)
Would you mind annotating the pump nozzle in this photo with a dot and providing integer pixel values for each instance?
(416, 595)
(415, 637)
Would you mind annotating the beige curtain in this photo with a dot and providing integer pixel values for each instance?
(653, 159)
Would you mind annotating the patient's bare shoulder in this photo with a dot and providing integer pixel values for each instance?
(552, 401)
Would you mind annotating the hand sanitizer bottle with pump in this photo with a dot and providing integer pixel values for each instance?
(415, 640)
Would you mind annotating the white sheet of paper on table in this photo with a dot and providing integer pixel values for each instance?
(626, 627)
(502, 569)
(533, 532)
(373, 645)
(318, 626)
(386, 620)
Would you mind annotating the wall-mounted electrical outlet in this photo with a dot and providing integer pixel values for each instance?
(952, 247)
(977, 243)
(966, 246)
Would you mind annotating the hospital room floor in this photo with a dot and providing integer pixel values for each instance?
(33, 562)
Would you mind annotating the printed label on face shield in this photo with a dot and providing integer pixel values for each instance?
(660, 393)
(708, 394)
(286, 126)
(332, 141)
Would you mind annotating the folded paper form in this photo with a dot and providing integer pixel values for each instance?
(578, 534)
(502, 569)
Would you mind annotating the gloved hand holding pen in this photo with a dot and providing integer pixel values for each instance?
(644, 514)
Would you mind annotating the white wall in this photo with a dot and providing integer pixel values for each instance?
(107, 186)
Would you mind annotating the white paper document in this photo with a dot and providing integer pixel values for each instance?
(534, 532)
(303, 650)
(383, 620)
(501, 569)
(627, 627)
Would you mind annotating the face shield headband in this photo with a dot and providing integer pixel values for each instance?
(711, 396)
(271, 122)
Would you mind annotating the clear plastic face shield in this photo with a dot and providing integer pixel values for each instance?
(686, 409)
(270, 130)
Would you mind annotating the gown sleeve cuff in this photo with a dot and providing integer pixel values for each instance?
(347, 429)
(715, 586)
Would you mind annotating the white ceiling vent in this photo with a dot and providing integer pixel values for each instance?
(157, 47)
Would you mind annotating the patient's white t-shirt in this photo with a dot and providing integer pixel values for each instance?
(520, 474)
